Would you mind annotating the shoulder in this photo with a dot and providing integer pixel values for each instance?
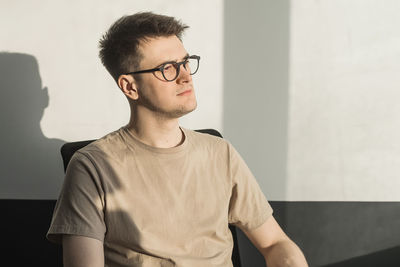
(214, 144)
(109, 145)
(208, 141)
(204, 136)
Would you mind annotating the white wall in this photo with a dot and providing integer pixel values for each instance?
(344, 116)
(84, 103)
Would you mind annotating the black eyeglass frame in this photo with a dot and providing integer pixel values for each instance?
(177, 66)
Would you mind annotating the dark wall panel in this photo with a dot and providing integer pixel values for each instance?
(330, 232)
(24, 225)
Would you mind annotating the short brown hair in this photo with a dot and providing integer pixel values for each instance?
(119, 45)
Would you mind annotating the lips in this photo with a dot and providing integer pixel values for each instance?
(186, 92)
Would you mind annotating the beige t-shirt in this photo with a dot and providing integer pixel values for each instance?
(159, 206)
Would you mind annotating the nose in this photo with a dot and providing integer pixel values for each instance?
(184, 75)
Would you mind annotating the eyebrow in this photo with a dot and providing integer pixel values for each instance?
(173, 61)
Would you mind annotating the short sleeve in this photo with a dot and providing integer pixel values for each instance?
(79, 208)
(248, 207)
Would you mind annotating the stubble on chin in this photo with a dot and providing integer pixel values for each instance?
(176, 113)
(179, 112)
(185, 110)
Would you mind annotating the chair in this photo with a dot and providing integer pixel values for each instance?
(68, 149)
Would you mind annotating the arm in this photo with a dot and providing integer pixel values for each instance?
(276, 247)
(81, 251)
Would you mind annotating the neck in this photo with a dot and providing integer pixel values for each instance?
(156, 131)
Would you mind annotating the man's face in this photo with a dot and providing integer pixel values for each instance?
(167, 99)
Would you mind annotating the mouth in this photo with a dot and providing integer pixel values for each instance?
(186, 92)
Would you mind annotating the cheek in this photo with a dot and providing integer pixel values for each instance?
(158, 92)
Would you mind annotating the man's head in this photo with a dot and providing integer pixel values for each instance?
(119, 47)
(142, 43)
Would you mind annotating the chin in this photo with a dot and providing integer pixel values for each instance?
(184, 110)
(193, 107)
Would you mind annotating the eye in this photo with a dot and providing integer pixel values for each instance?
(168, 67)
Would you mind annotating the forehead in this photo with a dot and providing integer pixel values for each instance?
(161, 49)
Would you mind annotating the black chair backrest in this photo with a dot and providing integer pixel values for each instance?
(68, 150)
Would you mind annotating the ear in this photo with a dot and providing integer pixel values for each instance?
(128, 86)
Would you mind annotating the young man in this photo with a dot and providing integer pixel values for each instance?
(153, 193)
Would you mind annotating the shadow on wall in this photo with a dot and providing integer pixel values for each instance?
(30, 163)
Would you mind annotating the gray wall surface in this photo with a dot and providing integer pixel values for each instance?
(256, 40)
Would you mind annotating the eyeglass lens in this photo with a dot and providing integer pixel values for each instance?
(170, 70)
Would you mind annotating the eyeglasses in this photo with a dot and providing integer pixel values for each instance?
(170, 70)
